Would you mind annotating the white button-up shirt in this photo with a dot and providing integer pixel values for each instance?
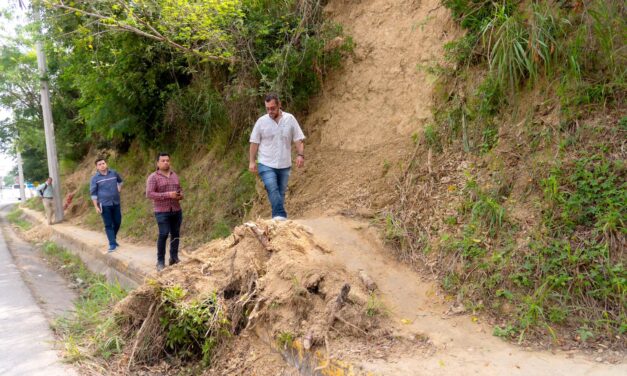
(275, 139)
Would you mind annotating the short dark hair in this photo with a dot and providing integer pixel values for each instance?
(99, 159)
(272, 97)
(162, 154)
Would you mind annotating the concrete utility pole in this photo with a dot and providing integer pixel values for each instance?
(20, 172)
(51, 146)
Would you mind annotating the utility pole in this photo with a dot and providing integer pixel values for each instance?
(51, 147)
(20, 172)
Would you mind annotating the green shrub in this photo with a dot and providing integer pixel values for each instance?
(193, 328)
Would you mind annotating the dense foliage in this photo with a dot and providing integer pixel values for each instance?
(166, 73)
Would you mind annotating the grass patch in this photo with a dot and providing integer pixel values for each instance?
(16, 217)
(570, 273)
(91, 331)
(34, 203)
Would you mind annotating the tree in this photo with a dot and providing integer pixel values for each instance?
(193, 27)
(19, 93)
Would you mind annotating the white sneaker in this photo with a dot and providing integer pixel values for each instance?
(279, 218)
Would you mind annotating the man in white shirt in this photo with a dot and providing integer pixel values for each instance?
(271, 154)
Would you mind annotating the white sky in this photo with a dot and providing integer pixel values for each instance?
(6, 162)
(7, 28)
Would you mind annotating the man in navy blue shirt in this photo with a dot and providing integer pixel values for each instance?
(105, 193)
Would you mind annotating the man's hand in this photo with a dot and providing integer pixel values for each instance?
(300, 161)
(173, 194)
(252, 167)
(98, 209)
(179, 196)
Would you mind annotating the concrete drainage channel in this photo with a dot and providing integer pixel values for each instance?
(115, 270)
(130, 275)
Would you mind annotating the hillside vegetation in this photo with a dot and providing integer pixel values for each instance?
(517, 197)
(130, 80)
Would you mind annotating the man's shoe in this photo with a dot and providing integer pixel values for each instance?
(117, 244)
(160, 266)
(279, 218)
(112, 248)
(174, 261)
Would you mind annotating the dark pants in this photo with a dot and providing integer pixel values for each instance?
(169, 224)
(112, 218)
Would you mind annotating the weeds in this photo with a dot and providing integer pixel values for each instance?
(568, 275)
(34, 203)
(507, 331)
(285, 339)
(564, 274)
(374, 306)
(89, 332)
(193, 328)
(16, 217)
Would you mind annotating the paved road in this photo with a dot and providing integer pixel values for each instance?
(25, 337)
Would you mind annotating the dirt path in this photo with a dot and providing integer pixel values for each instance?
(463, 346)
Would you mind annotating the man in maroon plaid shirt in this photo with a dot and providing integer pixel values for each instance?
(164, 189)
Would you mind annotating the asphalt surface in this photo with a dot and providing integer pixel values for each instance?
(26, 341)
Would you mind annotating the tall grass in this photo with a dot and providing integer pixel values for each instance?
(506, 40)
(90, 331)
(519, 49)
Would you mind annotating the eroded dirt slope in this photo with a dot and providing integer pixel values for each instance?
(360, 126)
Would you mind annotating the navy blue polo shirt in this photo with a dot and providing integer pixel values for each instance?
(104, 188)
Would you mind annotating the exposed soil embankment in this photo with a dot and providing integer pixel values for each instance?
(360, 127)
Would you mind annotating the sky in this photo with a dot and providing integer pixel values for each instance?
(7, 28)
(6, 161)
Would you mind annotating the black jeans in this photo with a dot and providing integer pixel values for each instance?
(169, 224)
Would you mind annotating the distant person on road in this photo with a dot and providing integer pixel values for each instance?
(46, 192)
(270, 152)
(105, 189)
(164, 189)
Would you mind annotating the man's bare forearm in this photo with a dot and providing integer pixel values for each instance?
(252, 153)
(300, 147)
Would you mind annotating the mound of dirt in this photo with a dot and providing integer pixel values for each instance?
(268, 287)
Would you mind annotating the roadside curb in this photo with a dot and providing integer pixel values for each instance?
(114, 267)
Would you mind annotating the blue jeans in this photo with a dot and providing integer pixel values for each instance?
(275, 180)
(169, 224)
(112, 218)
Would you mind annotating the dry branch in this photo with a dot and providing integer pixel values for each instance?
(259, 235)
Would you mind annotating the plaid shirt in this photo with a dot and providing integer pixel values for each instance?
(158, 187)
